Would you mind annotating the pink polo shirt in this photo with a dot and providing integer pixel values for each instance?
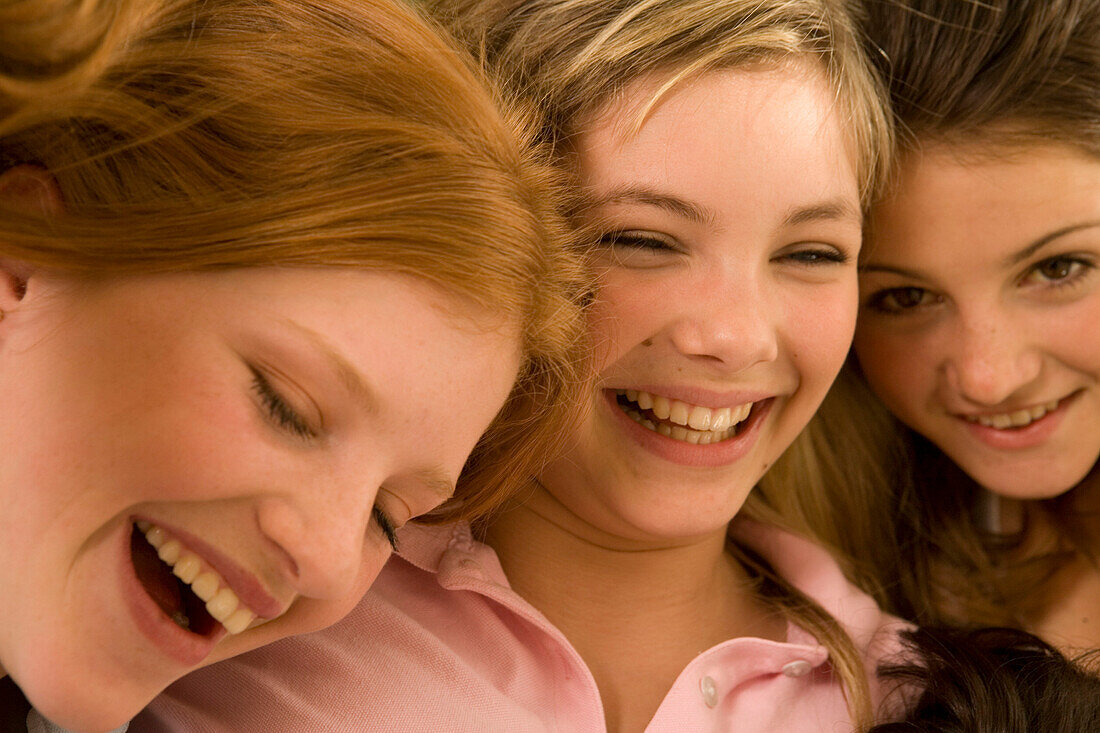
(442, 643)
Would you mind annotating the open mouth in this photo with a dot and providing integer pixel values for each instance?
(187, 590)
(682, 421)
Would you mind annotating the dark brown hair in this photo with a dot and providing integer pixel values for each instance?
(999, 72)
(993, 681)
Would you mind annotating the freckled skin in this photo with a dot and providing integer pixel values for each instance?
(986, 334)
(136, 398)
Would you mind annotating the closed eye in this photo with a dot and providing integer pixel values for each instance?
(279, 412)
(636, 240)
(816, 256)
(386, 525)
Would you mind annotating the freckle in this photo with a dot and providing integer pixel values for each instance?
(647, 342)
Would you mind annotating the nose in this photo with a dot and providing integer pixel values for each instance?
(322, 533)
(992, 360)
(727, 324)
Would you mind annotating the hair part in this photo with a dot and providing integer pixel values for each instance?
(571, 58)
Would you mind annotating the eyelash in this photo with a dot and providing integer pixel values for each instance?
(808, 257)
(280, 412)
(285, 417)
(389, 530)
(636, 241)
(819, 257)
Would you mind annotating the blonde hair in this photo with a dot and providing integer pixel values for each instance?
(572, 57)
(199, 134)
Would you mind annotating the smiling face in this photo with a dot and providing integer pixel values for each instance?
(265, 428)
(727, 296)
(980, 305)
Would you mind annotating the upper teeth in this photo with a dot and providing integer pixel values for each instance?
(1017, 419)
(221, 602)
(707, 424)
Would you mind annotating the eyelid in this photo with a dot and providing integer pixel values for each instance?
(278, 409)
(829, 253)
(624, 237)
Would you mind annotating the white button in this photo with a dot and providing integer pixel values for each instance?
(797, 668)
(709, 690)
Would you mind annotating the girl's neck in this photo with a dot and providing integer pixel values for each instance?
(1067, 617)
(612, 597)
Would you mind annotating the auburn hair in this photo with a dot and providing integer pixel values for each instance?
(189, 135)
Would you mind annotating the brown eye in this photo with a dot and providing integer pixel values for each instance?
(1057, 268)
(900, 300)
(1057, 271)
(907, 297)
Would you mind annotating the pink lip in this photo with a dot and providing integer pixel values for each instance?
(247, 586)
(179, 644)
(686, 454)
(1030, 436)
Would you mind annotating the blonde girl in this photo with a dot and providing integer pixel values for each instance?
(268, 270)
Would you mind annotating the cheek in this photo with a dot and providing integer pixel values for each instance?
(820, 332)
(624, 314)
(900, 369)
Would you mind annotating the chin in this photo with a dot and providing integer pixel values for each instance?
(663, 520)
(1025, 482)
(89, 709)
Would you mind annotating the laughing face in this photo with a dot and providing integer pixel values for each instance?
(980, 305)
(728, 295)
(197, 464)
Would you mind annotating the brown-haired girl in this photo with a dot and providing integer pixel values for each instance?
(268, 270)
(979, 303)
(723, 151)
(979, 299)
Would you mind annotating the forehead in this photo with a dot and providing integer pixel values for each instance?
(751, 128)
(972, 202)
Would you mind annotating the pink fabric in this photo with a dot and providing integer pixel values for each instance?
(442, 643)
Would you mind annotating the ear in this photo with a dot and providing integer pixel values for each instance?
(31, 190)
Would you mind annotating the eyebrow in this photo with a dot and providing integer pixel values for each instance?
(1028, 251)
(1011, 261)
(913, 274)
(437, 480)
(648, 197)
(838, 209)
(834, 210)
(352, 381)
